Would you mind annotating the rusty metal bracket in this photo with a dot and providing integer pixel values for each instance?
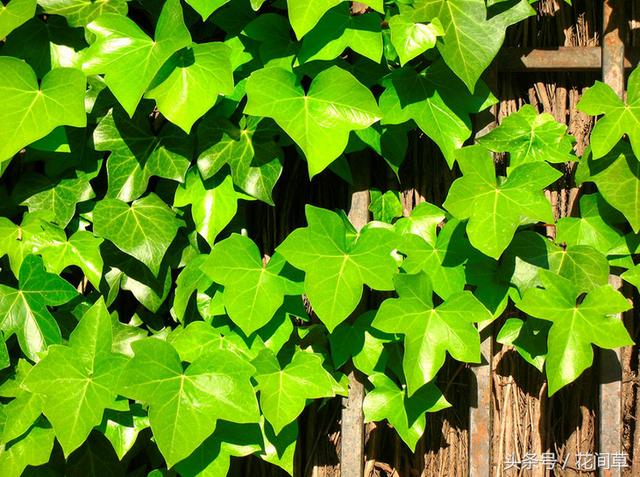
(565, 58)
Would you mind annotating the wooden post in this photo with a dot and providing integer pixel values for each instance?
(480, 421)
(352, 423)
(609, 367)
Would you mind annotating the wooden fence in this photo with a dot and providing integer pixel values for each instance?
(500, 409)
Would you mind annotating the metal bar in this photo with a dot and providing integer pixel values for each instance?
(352, 423)
(609, 362)
(569, 58)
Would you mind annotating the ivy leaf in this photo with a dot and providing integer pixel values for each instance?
(305, 15)
(410, 36)
(122, 428)
(495, 207)
(583, 265)
(213, 203)
(320, 120)
(592, 227)
(339, 30)
(127, 57)
(143, 230)
(213, 457)
(56, 201)
(255, 161)
(23, 411)
(138, 152)
(24, 311)
(18, 241)
(405, 413)
(253, 291)
(437, 101)
(206, 7)
(185, 405)
(528, 337)
(619, 118)
(362, 343)
(280, 449)
(285, 390)
(29, 111)
(189, 83)
(81, 249)
(192, 278)
(338, 262)
(33, 449)
(80, 13)
(471, 37)
(430, 332)
(530, 137)
(14, 14)
(79, 380)
(576, 325)
(617, 176)
(385, 207)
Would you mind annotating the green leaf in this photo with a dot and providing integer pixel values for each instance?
(430, 332)
(255, 160)
(14, 14)
(385, 207)
(617, 176)
(81, 249)
(284, 390)
(31, 111)
(212, 457)
(592, 227)
(339, 30)
(81, 12)
(143, 230)
(471, 37)
(56, 201)
(252, 291)
(338, 262)
(529, 338)
(280, 449)
(437, 101)
(495, 208)
(189, 83)
(213, 203)
(206, 7)
(127, 57)
(185, 405)
(138, 152)
(619, 118)
(24, 311)
(583, 265)
(33, 449)
(410, 36)
(192, 278)
(405, 413)
(79, 380)
(320, 120)
(122, 428)
(362, 343)
(530, 137)
(576, 325)
(23, 411)
(305, 15)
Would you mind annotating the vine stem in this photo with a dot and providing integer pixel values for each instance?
(352, 422)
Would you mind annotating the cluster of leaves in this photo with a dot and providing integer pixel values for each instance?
(143, 335)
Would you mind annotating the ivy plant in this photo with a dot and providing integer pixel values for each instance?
(153, 322)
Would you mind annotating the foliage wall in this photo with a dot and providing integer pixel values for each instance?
(148, 328)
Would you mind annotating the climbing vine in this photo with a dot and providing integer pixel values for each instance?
(145, 328)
